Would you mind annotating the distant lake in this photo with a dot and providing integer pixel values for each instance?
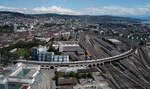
(145, 22)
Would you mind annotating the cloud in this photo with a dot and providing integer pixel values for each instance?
(49, 0)
(51, 9)
(110, 10)
(105, 10)
(143, 9)
(56, 9)
(118, 10)
(148, 6)
(21, 10)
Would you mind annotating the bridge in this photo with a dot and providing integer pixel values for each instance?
(88, 63)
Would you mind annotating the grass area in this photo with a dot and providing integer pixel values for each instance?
(21, 52)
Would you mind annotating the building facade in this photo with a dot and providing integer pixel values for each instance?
(41, 54)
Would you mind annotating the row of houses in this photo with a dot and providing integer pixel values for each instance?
(139, 36)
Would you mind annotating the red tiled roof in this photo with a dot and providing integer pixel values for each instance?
(24, 87)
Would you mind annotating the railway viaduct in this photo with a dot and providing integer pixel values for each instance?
(89, 63)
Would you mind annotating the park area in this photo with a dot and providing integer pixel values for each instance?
(22, 52)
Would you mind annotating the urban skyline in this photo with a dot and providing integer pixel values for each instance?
(74, 44)
(77, 7)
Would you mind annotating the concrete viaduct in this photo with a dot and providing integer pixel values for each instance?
(88, 63)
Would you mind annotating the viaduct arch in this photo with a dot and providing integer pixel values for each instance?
(89, 63)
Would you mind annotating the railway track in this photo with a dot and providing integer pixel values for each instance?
(143, 58)
(119, 80)
(134, 74)
(130, 77)
(142, 69)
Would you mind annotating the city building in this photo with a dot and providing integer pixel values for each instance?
(43, 39)
(20, 76)
(61, 44)
(45, 56)
(66, 81)
(71, 48)
(61, 58)
(70, 69)
(35, 51)
(65, 35)
(41, 54)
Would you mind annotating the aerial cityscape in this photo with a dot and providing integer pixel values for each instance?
(74, 44)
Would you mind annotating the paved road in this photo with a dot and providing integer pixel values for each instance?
(97, 77)
(46, 80)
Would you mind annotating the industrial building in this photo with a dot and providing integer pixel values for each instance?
(71, 48)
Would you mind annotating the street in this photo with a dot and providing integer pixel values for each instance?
(46, 80)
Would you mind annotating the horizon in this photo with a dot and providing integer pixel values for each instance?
(72, 15)
(75, 7)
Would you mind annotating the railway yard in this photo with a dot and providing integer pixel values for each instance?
(69, 50)
(95, 47)
(120, 69)
(130, 73)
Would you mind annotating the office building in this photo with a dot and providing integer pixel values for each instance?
(41, 54)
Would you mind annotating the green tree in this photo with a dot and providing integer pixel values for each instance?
(79, 75)
(90, 75)
(72, 74)
(58, 74)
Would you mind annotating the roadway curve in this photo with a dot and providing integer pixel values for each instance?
(81, 63)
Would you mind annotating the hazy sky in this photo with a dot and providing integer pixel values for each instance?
(79, 7)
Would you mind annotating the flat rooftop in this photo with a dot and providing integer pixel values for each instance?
(114, 40)
(20, 73)
(23, 72)
(76, 48)
(66, 42)
(31, 73)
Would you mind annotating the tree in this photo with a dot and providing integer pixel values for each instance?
(79, 75)
(51, 49)
(90, 75)
(84, 75)
(72, 74)
(58, 74)
(141, 43)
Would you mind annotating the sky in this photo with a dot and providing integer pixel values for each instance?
(78, 7)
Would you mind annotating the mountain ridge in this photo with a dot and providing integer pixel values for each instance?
(71, 16)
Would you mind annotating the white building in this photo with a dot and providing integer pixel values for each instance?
(42, 39)
(61, 44)
(70, 69)
(20, 75)
(41, 54)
